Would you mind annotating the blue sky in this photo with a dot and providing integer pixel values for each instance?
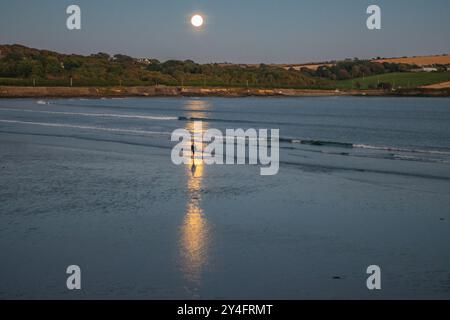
(242, 31)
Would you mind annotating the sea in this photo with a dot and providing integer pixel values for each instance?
(362, 181)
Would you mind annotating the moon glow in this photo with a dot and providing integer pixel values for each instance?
(197, 21)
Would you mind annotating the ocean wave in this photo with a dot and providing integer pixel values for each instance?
(320, 143)
(60, 125)
(419, 159)
(88, 138)
(404, 150)
(362, 146)
(110, 115)
(182, 118)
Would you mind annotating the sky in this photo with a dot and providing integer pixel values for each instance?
(238, 31)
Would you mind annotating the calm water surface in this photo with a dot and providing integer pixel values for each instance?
(362, 181)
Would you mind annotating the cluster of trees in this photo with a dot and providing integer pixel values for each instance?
(22, 62)
(231, 75)
(351, 69)
(102, 69)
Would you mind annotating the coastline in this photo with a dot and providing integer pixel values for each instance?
(165, 91)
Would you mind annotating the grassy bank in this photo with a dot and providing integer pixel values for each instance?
(397, 80)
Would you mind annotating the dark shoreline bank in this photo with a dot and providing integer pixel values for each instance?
(163, 91)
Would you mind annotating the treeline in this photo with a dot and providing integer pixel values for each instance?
(41, 66)
(20, 65)
(351, 69)
(232, 75)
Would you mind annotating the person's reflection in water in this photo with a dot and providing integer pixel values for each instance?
(195, 236)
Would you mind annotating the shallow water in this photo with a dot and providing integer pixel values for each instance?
(362, 181)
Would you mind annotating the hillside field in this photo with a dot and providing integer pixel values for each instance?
(419, 61)
(403, 79)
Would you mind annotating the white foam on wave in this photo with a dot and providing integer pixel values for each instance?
(394, 149)
(384, 148)
(110, 115)
(61, 125)
(419, 159)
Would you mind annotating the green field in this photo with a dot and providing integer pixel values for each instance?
(403, 80)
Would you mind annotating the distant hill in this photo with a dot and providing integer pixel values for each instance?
(421, 61)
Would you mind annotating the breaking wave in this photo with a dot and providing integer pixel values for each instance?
(60, 125)
(110, 115)
(362, 146)
(405, 150)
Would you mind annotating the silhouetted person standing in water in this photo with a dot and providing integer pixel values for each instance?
(193, 149)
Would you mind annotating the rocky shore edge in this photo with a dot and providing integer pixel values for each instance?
(164, 91)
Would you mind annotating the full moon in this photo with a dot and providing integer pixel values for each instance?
(197, 21)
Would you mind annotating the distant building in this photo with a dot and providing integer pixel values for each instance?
(144, 60)
(425, 69)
